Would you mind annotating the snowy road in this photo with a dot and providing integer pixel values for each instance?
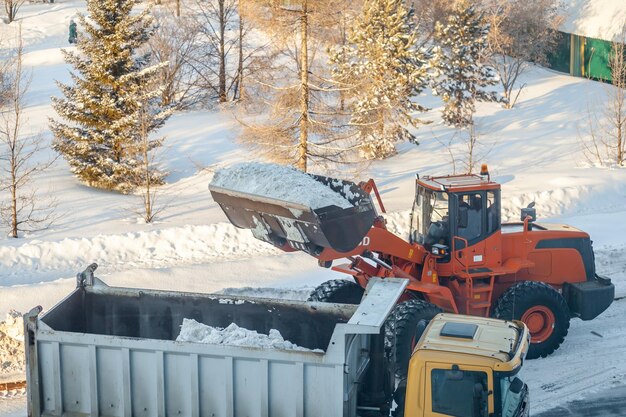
(608, 403)
(590, 361)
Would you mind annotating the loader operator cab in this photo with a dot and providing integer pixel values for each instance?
(463, 207)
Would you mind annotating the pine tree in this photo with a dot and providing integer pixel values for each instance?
(382, 70)
(112, 84)
(462, 76)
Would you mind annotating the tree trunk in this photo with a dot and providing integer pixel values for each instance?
(222, 71)
(177, 8)
(146, 161)
(304, 92)
(239, 88)
(470, 148)
(13, 201)
(10, 11)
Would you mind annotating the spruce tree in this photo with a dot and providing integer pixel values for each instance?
(112, 85)
(382, 70)
(462, 77)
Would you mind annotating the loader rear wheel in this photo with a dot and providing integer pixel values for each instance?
(402, 331)
(543, 309)
(338, 291)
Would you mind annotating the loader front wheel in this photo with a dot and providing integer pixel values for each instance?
(543, 309)
(403, 330)
(339, 291)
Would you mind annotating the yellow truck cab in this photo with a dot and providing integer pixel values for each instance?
(466, 367)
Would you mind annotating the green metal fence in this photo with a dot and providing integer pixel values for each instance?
(596, 61)
(582, 56)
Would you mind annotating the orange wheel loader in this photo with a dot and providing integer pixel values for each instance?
(459, 257)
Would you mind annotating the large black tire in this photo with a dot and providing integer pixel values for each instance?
(542, 308)
(338, 291)
(401, 331)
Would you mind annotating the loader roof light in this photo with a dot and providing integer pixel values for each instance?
(484, 172)
(461, 330)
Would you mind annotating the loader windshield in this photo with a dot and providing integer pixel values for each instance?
(430, 208)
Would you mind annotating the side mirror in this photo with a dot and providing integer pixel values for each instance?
(516, 386)
(462, 220)
(529, 211)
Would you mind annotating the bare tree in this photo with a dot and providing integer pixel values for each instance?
(148, 188)
(466, 150)
(616, 106)
(605, 142)
(174, 41)
(11, 7)
(213, 20)
(226, 55)
(521, 33)
(5, 87)
(23, 212)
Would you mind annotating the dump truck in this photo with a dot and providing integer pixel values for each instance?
(458, 257)
(108, 351)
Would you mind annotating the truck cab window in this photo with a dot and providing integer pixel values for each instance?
(459, 393)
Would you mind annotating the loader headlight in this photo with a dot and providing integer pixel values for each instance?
(439, 249)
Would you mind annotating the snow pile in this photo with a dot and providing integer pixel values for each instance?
(46, 260)
(601, 19)
(280, 182)
(12, 361)
(299, 294)
(233, 335)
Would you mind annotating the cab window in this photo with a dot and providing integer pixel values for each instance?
(459, 393)
(493, 212)
(470, 215)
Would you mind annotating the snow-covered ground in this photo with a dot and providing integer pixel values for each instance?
(533, 150)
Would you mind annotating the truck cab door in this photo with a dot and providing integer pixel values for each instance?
(458, 391)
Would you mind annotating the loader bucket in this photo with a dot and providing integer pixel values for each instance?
(293, 226)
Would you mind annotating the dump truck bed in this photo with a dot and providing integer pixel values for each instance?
(106, 351)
